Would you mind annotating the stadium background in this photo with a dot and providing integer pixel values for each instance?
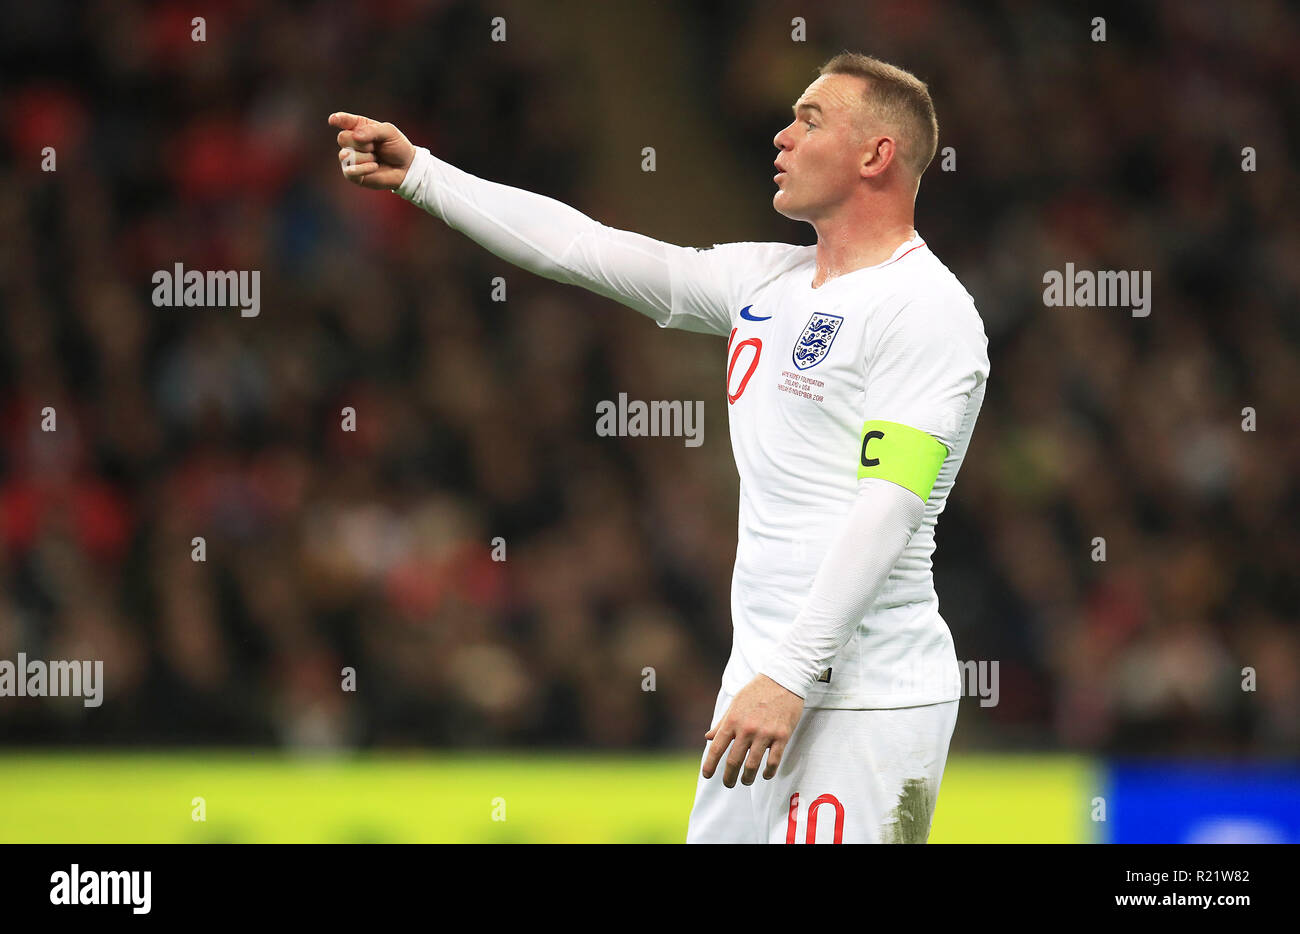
(521, 679)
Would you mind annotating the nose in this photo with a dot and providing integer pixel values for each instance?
(782, 139)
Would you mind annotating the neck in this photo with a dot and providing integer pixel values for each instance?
(860, 236)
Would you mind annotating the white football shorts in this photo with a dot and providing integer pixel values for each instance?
(847, 776)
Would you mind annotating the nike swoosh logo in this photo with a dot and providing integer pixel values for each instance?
(744, 313)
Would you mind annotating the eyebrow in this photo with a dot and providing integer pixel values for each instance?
(809, 106)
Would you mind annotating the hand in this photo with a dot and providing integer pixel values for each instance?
(763, 714)
(374, 155)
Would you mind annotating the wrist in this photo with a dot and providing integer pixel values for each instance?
(412, 185)
(785, 679)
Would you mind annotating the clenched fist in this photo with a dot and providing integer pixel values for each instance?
(374, 155)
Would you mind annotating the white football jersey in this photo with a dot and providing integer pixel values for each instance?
(805, 368)
(898, 342)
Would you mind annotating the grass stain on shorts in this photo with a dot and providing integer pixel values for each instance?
(909, 821)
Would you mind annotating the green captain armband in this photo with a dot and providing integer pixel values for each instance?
(901, 455)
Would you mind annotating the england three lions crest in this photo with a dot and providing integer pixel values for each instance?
(815, 341)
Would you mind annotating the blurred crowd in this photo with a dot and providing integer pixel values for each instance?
(473, 559)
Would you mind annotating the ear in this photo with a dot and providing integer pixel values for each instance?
(877, 156)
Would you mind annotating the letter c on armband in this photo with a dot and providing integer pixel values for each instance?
(901, 454)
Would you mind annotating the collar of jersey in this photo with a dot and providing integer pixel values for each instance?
(903, 249)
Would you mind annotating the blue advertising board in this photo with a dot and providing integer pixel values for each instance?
(1201, 803)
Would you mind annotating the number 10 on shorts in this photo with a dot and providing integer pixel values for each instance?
(792, 823)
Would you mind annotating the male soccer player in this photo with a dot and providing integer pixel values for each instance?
(855, 372)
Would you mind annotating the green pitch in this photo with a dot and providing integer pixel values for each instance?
(270, 797)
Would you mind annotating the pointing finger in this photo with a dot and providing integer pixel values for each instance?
(344, 120)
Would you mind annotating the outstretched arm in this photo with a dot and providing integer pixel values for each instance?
(529, 230)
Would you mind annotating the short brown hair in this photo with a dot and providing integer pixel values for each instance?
(899, 100)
